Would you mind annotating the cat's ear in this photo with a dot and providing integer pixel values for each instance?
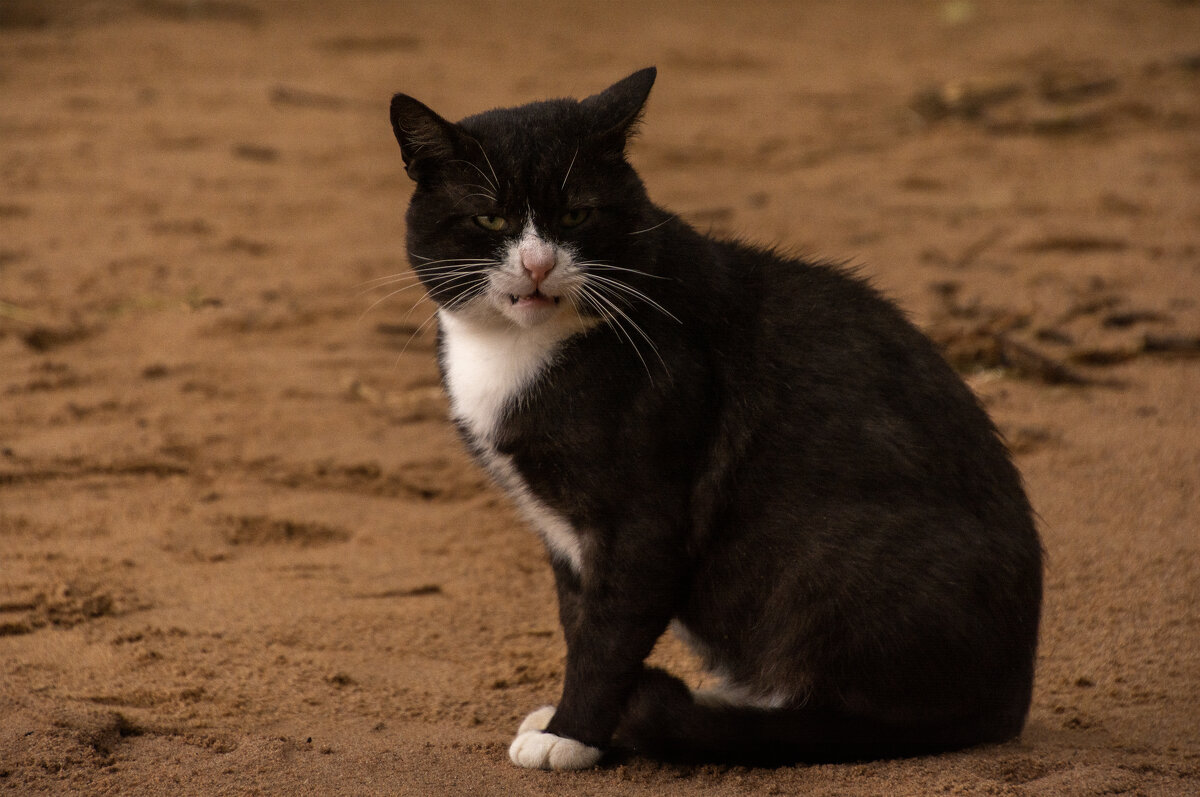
(618, 109)
(425, 138)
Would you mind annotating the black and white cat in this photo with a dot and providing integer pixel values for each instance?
(758, 451)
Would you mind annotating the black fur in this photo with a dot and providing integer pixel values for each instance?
(793, 472)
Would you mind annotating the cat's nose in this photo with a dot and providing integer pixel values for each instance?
(537, 258)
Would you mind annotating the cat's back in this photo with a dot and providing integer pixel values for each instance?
(841, 385)
(795, 316)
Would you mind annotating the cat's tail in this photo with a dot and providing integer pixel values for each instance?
(666, 720)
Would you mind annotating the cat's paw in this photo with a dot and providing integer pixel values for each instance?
(537, 720)
(541, 750)
(535, 749)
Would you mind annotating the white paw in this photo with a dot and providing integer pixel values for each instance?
(537, 720)
(534, 749)
(539, 750)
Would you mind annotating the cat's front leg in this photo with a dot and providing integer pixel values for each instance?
(533, 748)
(611, 621)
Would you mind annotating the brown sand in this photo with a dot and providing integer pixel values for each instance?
(240, 549)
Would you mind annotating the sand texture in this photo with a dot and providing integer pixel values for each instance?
(241, 550)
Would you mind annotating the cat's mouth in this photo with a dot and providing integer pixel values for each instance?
(535, 299)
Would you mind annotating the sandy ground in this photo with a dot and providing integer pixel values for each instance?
(241, 551)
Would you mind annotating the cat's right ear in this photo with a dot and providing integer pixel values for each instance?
(425, 138)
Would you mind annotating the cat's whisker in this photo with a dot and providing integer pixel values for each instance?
(415, 333)
(635, 293)
(462, 277)
(604, 292)
(462, 199)
(386, 279)
(449, 281)
(569, 168)
(600, 264)
(495, 182)
(406, 284)
(390, 279)
(596, 293)
(462, 283)
(655, 227)
(407, 276)
(457, 282)
(381, 300)
(487, 190)
(413, 279)
(429, 261)
(493, 185)
(573, 300)
(624, 333)
(585, 297)
(591, 266)
(413, 308)
(451, 268)
(469, 295)
(404, 318)
(428, 264)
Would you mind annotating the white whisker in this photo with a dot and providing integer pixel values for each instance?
(487, 191)
(449, 278)
(493, 185)
(385, 280)
(569, 167)
(655, 227)
(597, 294)
(635, 293)
(462, 199)
(585, 297)
(412, 278)
(430, 261)
(383, 299)
(600, 264)
(415, 333)
(406, 282)
(495, 181)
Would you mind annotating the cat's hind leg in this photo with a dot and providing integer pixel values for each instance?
(664, 719)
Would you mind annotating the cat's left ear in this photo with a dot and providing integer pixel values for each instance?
(425, 138)
(618, 109)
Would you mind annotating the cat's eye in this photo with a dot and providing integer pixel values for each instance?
(492, 223)
(575, 217)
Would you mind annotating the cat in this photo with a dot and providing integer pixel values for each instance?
(759, 452)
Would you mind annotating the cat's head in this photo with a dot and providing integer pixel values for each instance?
(526, 214)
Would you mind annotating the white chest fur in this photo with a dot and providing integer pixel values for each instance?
(489, 366)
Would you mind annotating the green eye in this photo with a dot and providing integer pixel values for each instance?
(573, 218)
(492, 223)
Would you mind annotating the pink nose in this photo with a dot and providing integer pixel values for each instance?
(537, 258)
